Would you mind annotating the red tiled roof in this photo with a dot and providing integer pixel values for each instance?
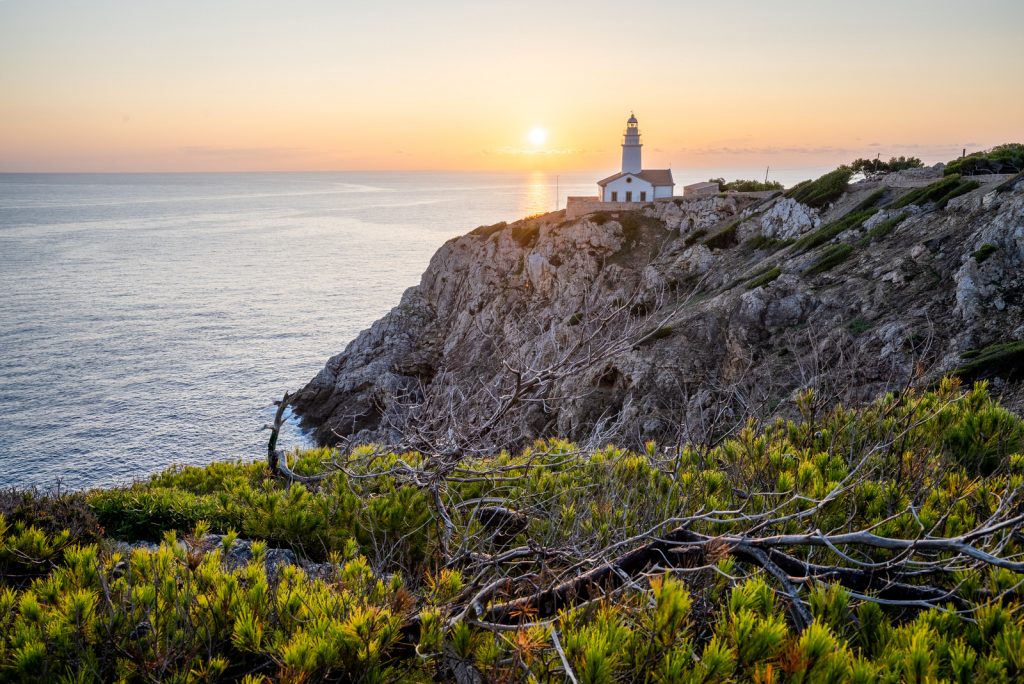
(656, 177)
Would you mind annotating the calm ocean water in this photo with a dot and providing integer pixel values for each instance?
(150, 319)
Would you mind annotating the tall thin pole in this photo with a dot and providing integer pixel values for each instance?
(766, 173)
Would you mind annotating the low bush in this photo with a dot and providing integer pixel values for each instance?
(872, 200)
(874, 167)
(829, 257)
(1005, 360)
(883, 228)
(746, 185)
(764, 278)
(678, 564)
(724, 238)
(694, 236)
(982, 254)
(1009, 183)
(961, 188)
(824, 190)
(1007, 158)
(487, 231)
(859, 326)
(928, 193)
(525, 234)
(829, 231)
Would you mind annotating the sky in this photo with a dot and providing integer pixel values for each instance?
(266, 85)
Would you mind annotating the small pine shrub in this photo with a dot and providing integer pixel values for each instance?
(725, 238)
(982, 254)
(526, 234)
(1004, 360)
(928, 193)
(850, 221)
(1008, 158)
(872, 200)
(824, 190)
(830, 257)
(961, 188)
(883, 228)
(746, 185)
(765, 278)
(487, 231)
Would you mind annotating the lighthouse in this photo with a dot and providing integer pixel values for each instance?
(634, 183)
(631, 147)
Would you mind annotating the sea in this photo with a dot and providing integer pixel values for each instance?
(150, 320)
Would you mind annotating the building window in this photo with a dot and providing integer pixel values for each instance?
(629, 196)
(643, 196)
(615, 197)
(629, 179)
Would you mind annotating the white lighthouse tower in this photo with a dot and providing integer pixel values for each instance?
(631, 147)
(634, 183)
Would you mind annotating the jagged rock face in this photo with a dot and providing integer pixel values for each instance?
(709, 331)
(788, 219)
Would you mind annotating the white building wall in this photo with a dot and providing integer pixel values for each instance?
(621, 186)
(662, 191)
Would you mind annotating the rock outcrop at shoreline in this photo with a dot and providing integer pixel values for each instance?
(707, 309)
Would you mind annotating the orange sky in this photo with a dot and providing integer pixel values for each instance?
(119, 85)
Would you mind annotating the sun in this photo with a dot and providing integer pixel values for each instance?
(537, 136)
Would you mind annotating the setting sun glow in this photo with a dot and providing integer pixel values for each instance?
(116, 85)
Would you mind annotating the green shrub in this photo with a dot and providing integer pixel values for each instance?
(998, 360)
(859, 326)
(928, 193)
(487, 231)
(1009, 183)
(1007, 158)
(829, 257)
(761, 242)
(710, 605)
(870, 167)
(694, 236)
(982, 254)
(829, 231)
(883, 228)
(871, 200)
(824, 190)
(746, 185)
(962, 188)
(525, 234)
(724, 238)
(765, 278)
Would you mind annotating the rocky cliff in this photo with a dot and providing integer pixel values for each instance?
(679, 319)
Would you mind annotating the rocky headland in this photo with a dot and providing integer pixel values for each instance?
(671, 321)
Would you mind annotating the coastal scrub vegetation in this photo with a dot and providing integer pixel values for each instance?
(823, 191)
(877, 167)
(880, 544)
(746, 185)
(1006, 158)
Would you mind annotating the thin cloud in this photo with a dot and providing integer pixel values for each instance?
(242, 152)
(536, 152)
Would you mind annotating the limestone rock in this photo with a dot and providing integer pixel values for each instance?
(788, 219)
(696, 331)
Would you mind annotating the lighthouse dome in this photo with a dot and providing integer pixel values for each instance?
(631, 119)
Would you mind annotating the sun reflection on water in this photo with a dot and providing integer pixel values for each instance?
(538, 195)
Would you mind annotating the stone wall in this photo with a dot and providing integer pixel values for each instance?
(578, 206)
